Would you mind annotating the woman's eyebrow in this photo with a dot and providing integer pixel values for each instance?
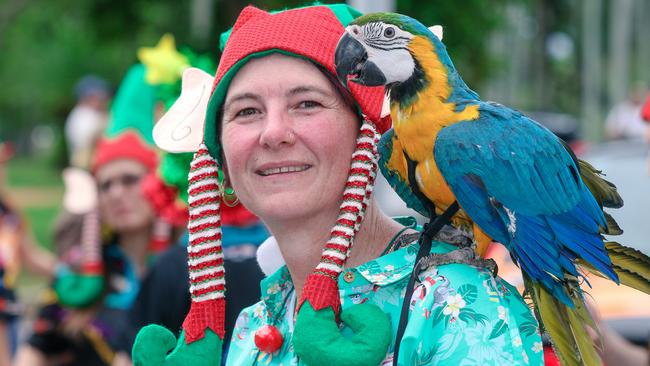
(306, 89)
(238, 97)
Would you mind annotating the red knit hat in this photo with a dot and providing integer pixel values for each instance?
(312, 35)
(126, 145)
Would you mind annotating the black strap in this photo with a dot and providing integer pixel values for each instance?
(410, 165)
(429, 231)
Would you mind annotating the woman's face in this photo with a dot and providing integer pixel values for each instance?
(121, 203)
(288, 137)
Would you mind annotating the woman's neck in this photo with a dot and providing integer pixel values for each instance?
(302, 245)
(135, 245)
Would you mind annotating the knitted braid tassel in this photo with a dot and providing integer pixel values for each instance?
(317, 338)
(82, 289)
(203, 329)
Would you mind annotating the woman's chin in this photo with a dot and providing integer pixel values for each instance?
(285, 208)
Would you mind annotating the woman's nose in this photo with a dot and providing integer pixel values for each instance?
(277, 130)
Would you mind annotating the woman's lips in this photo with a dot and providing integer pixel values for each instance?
(294, 168)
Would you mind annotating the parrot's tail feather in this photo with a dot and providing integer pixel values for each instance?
(612, 226)
(638, 261)
(631, 266)
(565, 325)
(603, 190)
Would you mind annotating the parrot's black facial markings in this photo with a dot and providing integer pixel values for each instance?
(408, 90)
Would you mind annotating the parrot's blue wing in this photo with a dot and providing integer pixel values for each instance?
(392, 166)
(517, 182)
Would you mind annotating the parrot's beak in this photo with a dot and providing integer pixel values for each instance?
(351, 58)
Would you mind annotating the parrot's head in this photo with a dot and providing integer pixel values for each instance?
(380, 49)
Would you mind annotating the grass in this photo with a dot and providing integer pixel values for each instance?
(33, 172)
(36, 188)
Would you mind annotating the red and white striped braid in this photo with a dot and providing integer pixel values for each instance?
(355, 200)
(205, 254)
(91, 246)
(205, 259)
(321, 287)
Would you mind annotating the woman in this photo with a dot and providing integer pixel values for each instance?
(285, 131)
(84, 331)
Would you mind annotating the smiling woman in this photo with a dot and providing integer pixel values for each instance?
(287, 145)
(300, 152)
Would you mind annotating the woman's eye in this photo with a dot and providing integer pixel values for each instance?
(308, 104)
(246, 112)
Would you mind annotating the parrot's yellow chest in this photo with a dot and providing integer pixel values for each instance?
(417, 126)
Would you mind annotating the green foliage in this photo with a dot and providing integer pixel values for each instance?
(465, 27)
(48, 46)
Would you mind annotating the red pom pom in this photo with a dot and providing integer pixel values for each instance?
(268, 339)
(163, 200)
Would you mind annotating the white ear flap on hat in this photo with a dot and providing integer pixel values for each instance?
(80, 195)
(181, 128)
(437, 30)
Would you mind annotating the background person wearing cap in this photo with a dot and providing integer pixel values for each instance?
(87, 119)
(298, 154)
(80, 329)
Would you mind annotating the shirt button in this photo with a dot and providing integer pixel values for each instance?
(348, 276)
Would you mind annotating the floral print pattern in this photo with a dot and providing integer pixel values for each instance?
(459, 314)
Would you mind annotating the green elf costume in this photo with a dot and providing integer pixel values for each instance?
(459, 313)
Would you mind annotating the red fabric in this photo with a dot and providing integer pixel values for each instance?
(321, 291)
(93, 268)
(163, 199)
(127, 145)
(550, 359)
(313, 32)
(204, 315)
(237, 216)
(645, 111)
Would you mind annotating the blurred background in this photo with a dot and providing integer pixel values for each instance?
(579, 67)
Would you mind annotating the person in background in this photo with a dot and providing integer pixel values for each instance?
(71, 332)
(8, 239)
(624, 119)
(87, 119)
(17, 248)
(169, 187)
(645, 110)
(243, 233)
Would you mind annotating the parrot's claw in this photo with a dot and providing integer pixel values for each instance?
(465, 255)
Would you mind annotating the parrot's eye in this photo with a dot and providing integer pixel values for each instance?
(389, 32)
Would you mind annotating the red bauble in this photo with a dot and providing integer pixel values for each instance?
(268, 339)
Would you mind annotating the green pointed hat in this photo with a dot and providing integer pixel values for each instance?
(128, 134)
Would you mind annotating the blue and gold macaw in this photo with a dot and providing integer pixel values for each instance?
(515, 181)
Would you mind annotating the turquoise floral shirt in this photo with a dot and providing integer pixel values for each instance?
(459, 314)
